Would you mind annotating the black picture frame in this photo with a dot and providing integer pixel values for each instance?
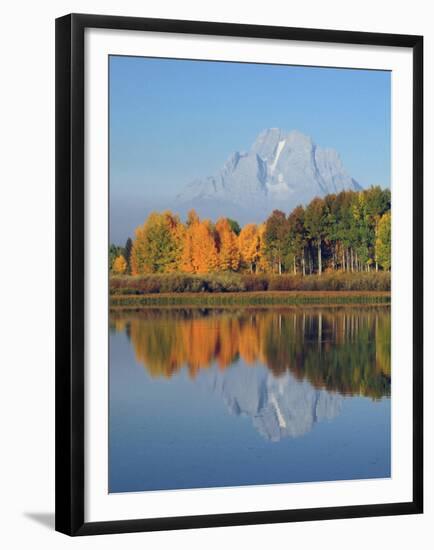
(70, 283)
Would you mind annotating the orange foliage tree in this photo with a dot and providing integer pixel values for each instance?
(199, 252)
(227, 242)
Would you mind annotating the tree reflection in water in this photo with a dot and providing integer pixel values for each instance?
(339, 349)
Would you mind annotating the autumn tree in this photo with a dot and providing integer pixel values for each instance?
(205, 258)
(186, 264)
(378, 201)
(199, 251)
(119, 265)
(262, 264)
(158, 244)
(227, 246)
(192, 217)
(114, 252)
(177, 232)
(383, 242)
(249, 243)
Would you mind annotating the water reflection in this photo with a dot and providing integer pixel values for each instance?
(340, 349)
(246, 396)
(278, 406)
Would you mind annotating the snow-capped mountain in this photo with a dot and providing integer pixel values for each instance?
(281, 169)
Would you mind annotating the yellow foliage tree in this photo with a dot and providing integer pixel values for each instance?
(177, 232)
(119, 265)
(262, 264)
(249, 244)
(158, 244)
(383, 245)
(228, 251)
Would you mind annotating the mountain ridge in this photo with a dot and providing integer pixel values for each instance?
(281, 170)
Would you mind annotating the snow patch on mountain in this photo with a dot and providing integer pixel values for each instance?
(280, 146)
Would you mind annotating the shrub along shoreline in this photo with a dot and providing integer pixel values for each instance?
(180, 288)
(250, 299)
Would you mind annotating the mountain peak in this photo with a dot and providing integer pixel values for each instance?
(296, 138)
(281, 169)
(267, 141)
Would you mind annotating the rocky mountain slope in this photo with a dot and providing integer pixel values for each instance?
(281, 170)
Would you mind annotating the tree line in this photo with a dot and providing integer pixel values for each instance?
(349, 231)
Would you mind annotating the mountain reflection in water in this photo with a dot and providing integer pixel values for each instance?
(313, 357)
(278, 406)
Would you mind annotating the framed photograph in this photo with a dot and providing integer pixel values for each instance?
(238, 274)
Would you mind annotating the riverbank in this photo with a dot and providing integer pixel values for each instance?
(229, 282)
(264, 298)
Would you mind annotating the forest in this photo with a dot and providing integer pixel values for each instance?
(349, 232)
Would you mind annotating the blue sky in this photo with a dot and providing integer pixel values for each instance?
(172, 121)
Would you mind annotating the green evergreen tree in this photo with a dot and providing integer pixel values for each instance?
(127, 254)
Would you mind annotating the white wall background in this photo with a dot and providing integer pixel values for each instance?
(27, 271)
